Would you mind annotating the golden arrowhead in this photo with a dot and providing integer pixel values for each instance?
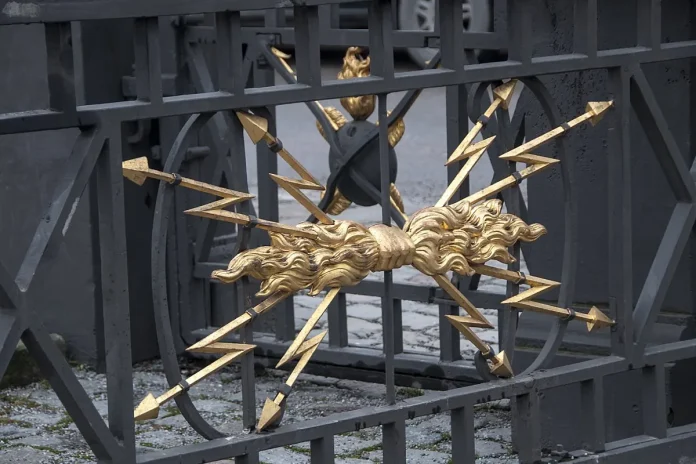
(598, 109)
(504, 92)
(599, 320)
(147, 409)
(501, 365)
(135, 170)
(270, 415)
(255, 126)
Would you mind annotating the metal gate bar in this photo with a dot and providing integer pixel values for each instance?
(98, 148)
(523, 389)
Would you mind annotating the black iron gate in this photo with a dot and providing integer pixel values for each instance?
(242, 52)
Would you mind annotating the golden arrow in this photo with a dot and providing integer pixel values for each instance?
(474, 154)
(477, 319)
(594, 112)
(309, 325)
(273, 409)
(137, 170)
(534, 163)
(240, 321)
(502, 96)
(257, 128)
(150, 406)
(595, 319)
(500, 364)
(215, 211)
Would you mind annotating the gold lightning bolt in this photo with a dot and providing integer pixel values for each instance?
(273, 409)
(257, 128)
(215, 211)
(240, 321)
(150, 406)
(309, 325)
(138, 170)
(594, 112)
(501, 98)
(595, 319)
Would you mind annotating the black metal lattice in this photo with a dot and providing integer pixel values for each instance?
(97, 155)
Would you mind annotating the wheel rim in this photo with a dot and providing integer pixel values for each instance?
(424, 15)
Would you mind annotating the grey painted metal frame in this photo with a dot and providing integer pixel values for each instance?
(97, 155)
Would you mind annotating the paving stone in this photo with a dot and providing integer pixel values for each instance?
(366, 311)
(419, 321)
(27, 455)
(496, 434)
(489, 448)
(362, 329)
(283, 456)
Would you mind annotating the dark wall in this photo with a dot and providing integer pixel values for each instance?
(63, 289)
(587, 153)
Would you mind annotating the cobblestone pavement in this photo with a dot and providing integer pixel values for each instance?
(34, 427)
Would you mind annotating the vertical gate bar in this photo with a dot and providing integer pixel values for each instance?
(338, 322)
(230, 52)
(649, 28)
(387, 298)
(585, 30)
(398, 327)
(457, 125)
(519, 25)
(114, 292)
(285, 320)
(322, 450)
(335, 16)
(381, 39)
(527, 427)
(251, 458)
(267, 161)
(462, 430)
(247, 362)
(60, 67)
(620, 245)
(450, 343)
(654, 401)
(394, 443)
(592, 407)
(148, 67)
(307, 53)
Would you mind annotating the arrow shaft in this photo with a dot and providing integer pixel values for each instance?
(240, 321)
(501, 185)
(302, 199)
(461, 300)
(547, 137)
(309, 325)
(243, 219)
(466, 141)
(459, 179)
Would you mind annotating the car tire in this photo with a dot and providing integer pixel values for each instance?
(419, 15)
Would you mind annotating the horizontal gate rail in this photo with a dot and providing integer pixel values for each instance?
(38, 120)
(457, 401)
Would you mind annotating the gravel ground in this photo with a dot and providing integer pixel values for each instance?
(34, 427)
